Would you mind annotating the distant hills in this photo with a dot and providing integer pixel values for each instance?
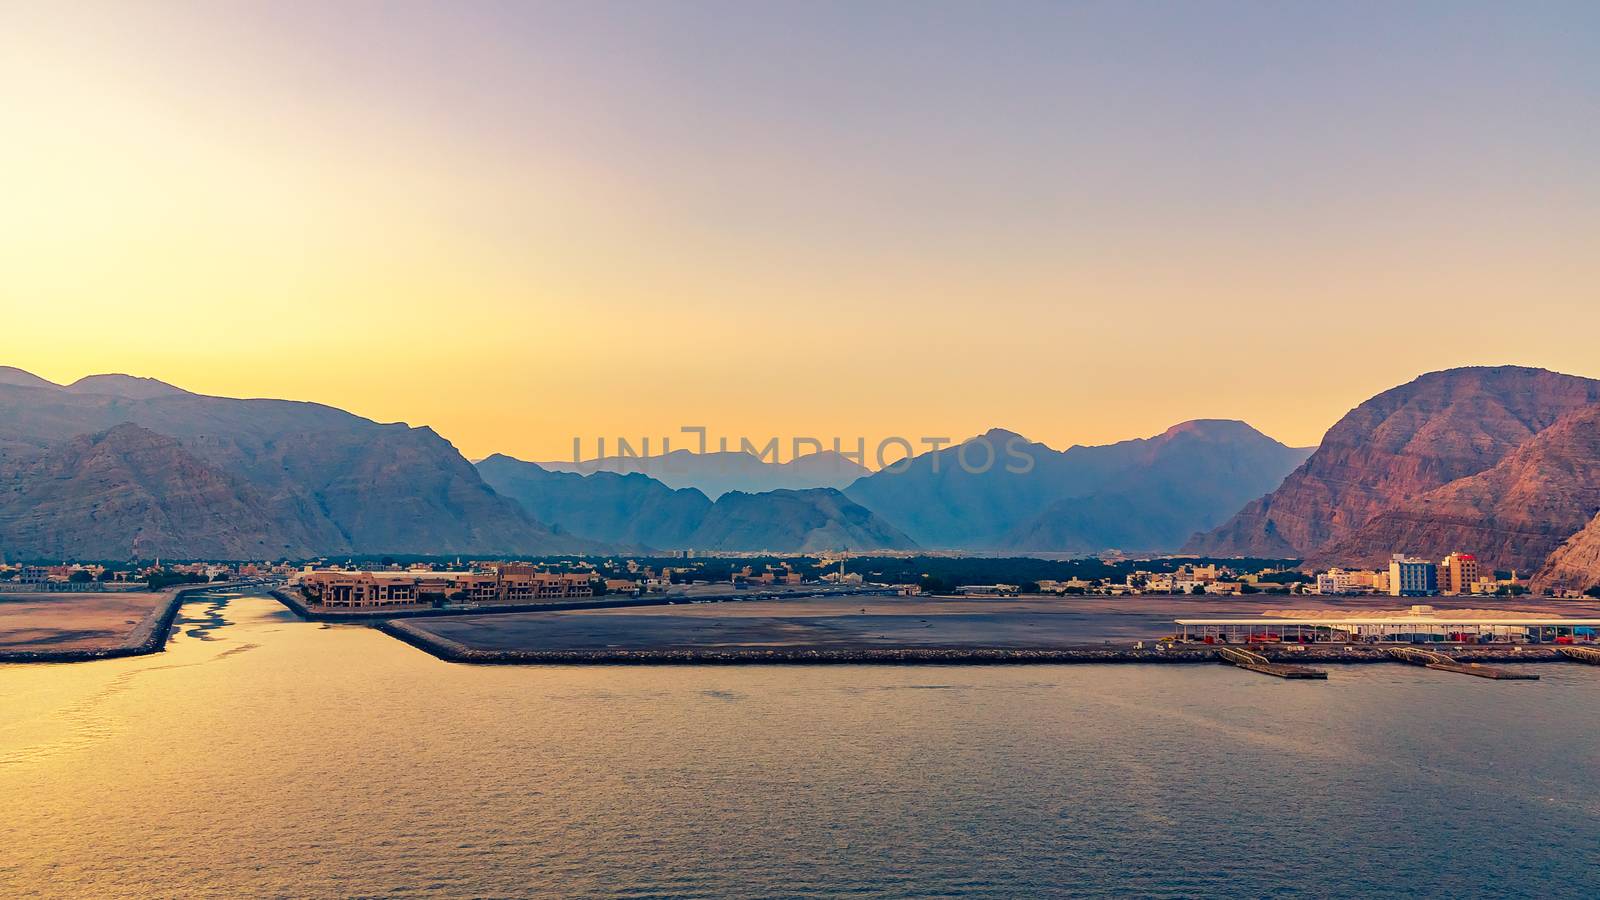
(215, 477)
(1001, 492)
(1503, 462)
(631, 510)
(638, 511)
(1144, 494)
(717, 472)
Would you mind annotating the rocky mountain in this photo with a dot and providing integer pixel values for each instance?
(717, 473)
(794, 521)
(627, 510)
(1146, 494)
(638, 511)
(1391, 451)
(15, 376)
(1575, 565)
(132, 387)
(323, 478)
(129, 492)
(1187, 479)
(1512, 515)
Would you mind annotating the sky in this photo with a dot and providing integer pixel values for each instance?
(524, 223)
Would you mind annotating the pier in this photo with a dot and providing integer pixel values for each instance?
(1255, 662)
(1434, 660)
(1590, 655)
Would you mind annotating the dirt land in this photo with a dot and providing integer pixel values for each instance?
(881, 622)
(100, 621)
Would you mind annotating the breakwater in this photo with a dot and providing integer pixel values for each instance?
(456, 651)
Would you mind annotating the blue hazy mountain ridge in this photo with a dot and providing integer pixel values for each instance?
(717, 472)
(1192, 477)
(1143, 494)
(324, 481)
(637, 510)
(630, 510)
(807, 521)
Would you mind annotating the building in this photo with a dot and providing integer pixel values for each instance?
(988, 590)
(1071, 584)
(1410, 577)
(1457, 573)
(1421, 625)
(501, 583)
(1346, 581)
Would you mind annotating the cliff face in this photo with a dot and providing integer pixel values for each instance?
(1575, 565)
(1391, 451)
(318, 478)
(1512, 515)
(131, 492)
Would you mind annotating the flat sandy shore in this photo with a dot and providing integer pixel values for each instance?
(860, 626)
(94, 622)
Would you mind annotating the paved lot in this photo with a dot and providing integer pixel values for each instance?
(892, 622)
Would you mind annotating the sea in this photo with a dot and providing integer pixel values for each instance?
(263, 756)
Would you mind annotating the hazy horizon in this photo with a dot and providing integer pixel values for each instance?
(647, 447)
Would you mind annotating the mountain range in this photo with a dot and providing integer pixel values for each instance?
(635, 510)
(1502, 461)
(1143, 494)
(200, 477)
(715, 473)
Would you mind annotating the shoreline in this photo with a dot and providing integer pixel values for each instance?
(456, 652)
(149, 636)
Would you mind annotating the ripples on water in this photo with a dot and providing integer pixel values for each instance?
(263, 756)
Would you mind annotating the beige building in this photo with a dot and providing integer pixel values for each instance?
(1457, 573)
(508, 583)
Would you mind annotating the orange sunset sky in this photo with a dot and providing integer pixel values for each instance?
(519, 223)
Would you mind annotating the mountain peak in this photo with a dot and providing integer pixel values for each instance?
(1215, 429)
(131, 387)
(1002, 434)
(23, 378)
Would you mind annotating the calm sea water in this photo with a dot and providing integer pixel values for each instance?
(265, 756)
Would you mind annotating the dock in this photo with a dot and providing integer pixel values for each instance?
(1434, 660)
(1255, 662)
(1590, 655)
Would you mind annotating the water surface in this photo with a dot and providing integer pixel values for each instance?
(266, 756)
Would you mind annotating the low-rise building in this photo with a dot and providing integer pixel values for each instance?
(990, 590)
(508, 583)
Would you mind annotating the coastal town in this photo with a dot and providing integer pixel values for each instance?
(391, 585)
